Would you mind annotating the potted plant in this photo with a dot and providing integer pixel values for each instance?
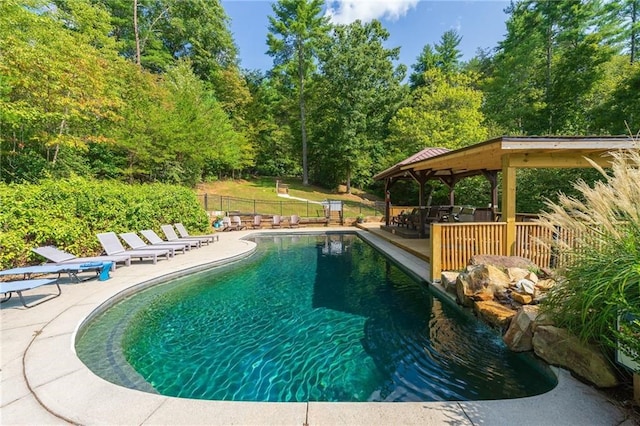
(360, 218)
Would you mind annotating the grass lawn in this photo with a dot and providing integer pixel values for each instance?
(264, 188)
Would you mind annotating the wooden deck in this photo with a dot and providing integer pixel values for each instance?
(418, 247)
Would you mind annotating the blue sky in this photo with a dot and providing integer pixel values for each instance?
(411, 24)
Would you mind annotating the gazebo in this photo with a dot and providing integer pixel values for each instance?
(500, 158)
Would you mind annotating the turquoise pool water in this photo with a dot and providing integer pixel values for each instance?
(307, 318)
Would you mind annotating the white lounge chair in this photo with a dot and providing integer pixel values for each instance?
(112, 246)
(135, 242)
(277, 221)
(60, 257)
(171, 235)
(154, 238)
(185, 234)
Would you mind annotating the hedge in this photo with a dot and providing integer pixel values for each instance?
(69, 213)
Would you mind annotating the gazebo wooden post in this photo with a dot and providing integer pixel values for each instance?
(421, 176)
(509, 204)
(387, 201)
(492, 177)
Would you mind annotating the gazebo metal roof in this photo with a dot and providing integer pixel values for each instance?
(397, 169)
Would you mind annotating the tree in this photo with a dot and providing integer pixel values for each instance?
(156, 33)
(269, 129)
(60, 91)
(428, 59)
(623, 25)
(444, 56)
(546, 69)
(295, 33)
(355, 94)
(448, 53)
(444, 113)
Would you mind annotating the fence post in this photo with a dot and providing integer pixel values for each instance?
(280, 208)
(254, 206)
(206, 201)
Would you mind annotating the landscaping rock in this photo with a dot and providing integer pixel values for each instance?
(519, 336)
(558, 347)
(448, 280)
(494, 313)
(525, 286)
(516, 274)
(464, 292)
(523, 299)
(502, 262)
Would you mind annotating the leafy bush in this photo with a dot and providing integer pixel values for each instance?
(601, 276)
(69, 213)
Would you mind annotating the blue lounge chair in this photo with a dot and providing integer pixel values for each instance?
(112, 246)
(9, 287)
(101, 270)
(59, 257)
(135, 242)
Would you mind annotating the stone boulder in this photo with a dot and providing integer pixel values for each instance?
(448, 280)
(523, 299)
(502, 262)
(558, 347)
(480, 279)
(494, 313)
(519, 335)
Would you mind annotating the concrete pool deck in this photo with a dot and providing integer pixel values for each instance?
(43, 381)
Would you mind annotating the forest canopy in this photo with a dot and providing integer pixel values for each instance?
(151, 90)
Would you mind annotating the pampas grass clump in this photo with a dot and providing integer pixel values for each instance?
(600, 263)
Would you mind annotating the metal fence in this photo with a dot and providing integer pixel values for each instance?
(245, 206)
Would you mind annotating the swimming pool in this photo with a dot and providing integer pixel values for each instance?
(307, 318)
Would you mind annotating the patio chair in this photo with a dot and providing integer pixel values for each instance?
(238, 223)
(257, 222)
(185, 234)
(466, 214)
(112, 246)
(398, 220)
(9, 287)
(277, 221)
(155, 239)
(135, 242)
(60, 257)
(227, 225)
(171, 235)
(294, 222)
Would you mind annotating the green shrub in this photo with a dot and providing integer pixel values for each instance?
(601, 274)
(69, 213)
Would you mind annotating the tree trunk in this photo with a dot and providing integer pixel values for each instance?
(135, 31)
(303, 126)
(634, 30)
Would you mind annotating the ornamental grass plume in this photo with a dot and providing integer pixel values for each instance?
(597, 240)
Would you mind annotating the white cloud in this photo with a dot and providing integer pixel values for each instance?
(347, 11)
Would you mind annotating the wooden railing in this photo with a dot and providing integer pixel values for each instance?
(453, 244)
